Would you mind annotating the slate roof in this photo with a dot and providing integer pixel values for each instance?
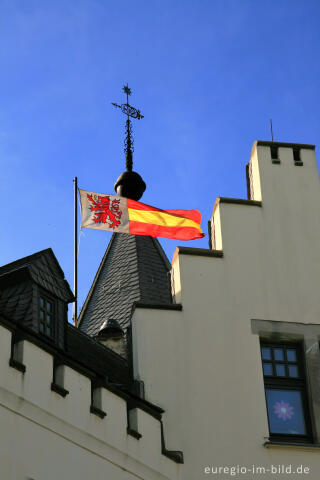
(92, 355)
(16, 291)
(134, 268)
(17, 301)
(16, 306)
(44, 270)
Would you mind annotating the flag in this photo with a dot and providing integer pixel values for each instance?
(123, 215)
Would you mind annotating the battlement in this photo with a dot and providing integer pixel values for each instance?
(266, 156)
(45, 403)
(258, 281)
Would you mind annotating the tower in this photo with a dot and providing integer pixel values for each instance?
(133, 269)
(241, 387)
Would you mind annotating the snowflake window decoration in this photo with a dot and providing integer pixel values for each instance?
(283, 410)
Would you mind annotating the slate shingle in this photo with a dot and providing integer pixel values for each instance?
(134, 268)
(44, 269)
(21, 283)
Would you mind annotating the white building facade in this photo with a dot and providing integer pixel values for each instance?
(260, 286)
(230, 367)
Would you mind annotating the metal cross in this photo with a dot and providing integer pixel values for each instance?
(133, 113)
(128, 109)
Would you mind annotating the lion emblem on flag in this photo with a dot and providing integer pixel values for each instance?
(105, 210)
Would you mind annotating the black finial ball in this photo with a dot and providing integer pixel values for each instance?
(130, 185)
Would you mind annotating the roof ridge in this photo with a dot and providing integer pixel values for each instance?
(26, 258)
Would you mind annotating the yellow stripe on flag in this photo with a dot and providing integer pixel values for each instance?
(161, 218)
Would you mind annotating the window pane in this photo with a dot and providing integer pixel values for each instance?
(267, 368)
(291, 355)
(280, 370)
(278, 353)
(266, 353)
(293, 371)
(46, 316)
(285, 412)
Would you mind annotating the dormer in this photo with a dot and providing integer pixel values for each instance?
(35, 294)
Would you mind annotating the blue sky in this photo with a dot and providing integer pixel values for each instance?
(207, 75)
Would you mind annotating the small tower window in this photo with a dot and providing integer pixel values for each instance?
(46, 316)
(274, 152)
(296, 155)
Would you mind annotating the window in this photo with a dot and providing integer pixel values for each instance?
(274, 152)
(285, 391)
(296, 155)
(46, 316)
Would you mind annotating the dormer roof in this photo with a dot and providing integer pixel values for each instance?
(43, 268)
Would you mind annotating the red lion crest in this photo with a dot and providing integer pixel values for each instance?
(104, 210)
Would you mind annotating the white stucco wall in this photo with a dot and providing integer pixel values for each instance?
(44, 436)
(202, 365)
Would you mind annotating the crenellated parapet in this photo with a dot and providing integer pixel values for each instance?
(69, 416)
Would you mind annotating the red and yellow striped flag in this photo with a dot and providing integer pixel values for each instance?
(123, 215)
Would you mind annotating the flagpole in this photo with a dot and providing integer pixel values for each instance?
(75, 281)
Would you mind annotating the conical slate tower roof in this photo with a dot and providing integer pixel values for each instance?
(134, 268)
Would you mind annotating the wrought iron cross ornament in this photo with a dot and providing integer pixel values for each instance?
(133, 113)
